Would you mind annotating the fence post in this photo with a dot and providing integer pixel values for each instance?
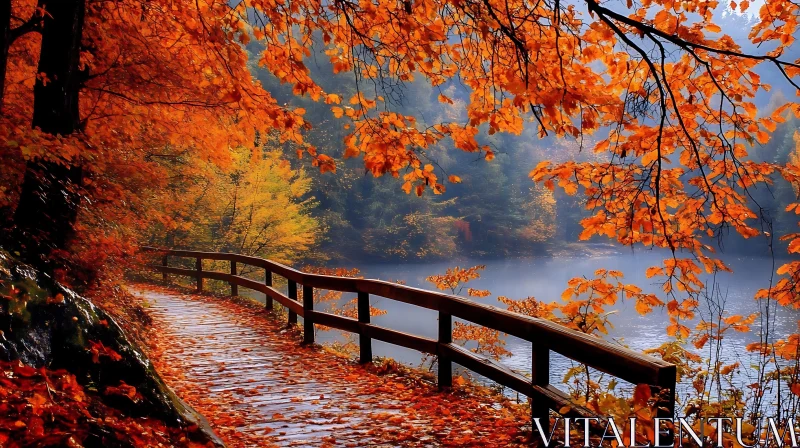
(199, 267)
(540, 376)
(308, 321)
(364, 341)
(666, 402)
(234, 286)
(268, 282)
(445, 378)
(164, 275)
(292, 296)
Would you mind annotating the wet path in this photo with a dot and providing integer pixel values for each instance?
(259, 387)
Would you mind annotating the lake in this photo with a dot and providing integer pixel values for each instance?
(546, 278)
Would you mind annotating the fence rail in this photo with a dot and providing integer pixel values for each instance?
(545, 336)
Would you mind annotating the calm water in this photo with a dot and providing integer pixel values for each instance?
(546, 278)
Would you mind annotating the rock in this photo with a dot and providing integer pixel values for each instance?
(44, 324)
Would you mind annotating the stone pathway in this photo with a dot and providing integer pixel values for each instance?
(258, 386)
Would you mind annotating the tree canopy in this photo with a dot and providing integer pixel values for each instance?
(99, 97)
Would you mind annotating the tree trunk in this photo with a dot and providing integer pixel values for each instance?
(5, 44)
(48, 204)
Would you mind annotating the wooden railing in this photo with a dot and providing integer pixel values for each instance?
(545, 336)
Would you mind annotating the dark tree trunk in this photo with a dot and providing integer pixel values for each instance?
(48, 204)
(5, 44)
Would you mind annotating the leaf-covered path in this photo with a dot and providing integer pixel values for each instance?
(248, 374)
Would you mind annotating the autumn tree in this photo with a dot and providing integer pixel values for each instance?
(47, 205)
(98, 95)
(483, 340)
(540, 210)
(258, 206)
(652, 74)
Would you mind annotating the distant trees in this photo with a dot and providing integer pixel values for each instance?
(494, 211)
(258, 206)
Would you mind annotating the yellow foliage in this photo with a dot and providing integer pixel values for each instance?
(541, 212)
(256, 206)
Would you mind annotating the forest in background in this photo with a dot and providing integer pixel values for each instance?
(494, 210)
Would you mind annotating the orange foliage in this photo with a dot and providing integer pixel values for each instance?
(666, 137)
(40, 407)
(463, 229)
(669, 97)
(485, 340)
(529, 306)
(587, 300)
(167, 82)
(666, 131)
(453, 280)
(331, 301)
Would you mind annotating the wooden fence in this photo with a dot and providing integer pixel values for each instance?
(545, 336)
